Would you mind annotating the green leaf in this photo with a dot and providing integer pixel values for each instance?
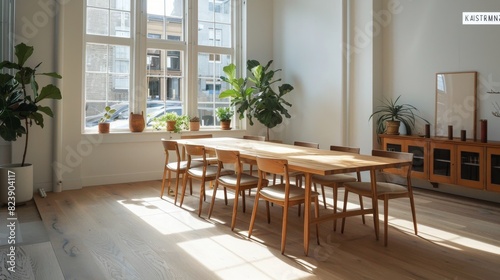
(23, 52)
(49, 92)
(46, 110)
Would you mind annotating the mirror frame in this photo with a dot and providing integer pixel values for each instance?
(456, 109)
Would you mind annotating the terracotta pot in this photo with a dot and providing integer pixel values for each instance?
(103, 127)
(136, 122)
(194, 126)
(225, 125)
(392, 127)
(171, 125)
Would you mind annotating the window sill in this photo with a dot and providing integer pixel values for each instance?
(150, 135)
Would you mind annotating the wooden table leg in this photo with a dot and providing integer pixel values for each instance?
(307, 212)
(374, 201)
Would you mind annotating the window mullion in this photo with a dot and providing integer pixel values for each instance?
(139, 86)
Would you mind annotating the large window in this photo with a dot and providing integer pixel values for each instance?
(174, 65)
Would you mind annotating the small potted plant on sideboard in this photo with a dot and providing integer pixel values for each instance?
(224, 114)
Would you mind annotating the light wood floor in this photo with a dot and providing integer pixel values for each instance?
(125, 231)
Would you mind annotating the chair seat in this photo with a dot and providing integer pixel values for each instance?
(183, 165)
(382, 187)
(211, 171)
(331, 179)
(277, 192)
(245, 180)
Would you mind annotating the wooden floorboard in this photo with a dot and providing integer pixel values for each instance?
(125, 231)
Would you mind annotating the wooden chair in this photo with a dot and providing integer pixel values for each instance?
(336, 181)
(299, 175)
(385, 190)
(177, 165)
(237, 181)
(212, 159)
(283, 194)
(252, 163)
(203, 173)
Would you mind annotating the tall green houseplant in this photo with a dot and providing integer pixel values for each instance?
(20, 97)
(261, 100)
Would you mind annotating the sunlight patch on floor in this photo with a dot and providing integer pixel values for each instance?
(166, 220)
(231, 257)
(444, 238)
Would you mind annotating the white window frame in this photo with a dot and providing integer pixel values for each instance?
(139, 43)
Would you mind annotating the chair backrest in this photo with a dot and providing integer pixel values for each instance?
(229, 157)
(255, 137)
(273, 166)
(408, 157)
(195, 151)
(169, 145)
(196, 136)
(346, 149)
(306, 144)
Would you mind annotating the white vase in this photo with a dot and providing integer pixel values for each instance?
(19, 180)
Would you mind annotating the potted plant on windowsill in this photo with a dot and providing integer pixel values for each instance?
(224, 114)
(260, 101)
(194, 124)
(103, 125)
(20, 108)
(390, 115)
(172, 121)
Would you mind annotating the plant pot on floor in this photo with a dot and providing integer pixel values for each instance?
(392, 127)
(17, 179)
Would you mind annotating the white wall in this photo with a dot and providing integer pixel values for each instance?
(428, 37)
(307, 36)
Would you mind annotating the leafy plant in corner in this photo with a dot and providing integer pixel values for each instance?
(259, 101)
(20, 97)
(390, 110)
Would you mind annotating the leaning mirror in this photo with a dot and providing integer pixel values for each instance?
(456, 103)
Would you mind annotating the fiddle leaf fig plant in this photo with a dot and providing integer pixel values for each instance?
(259, 101)
(21, 97)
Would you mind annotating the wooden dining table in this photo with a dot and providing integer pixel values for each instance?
(310, 161)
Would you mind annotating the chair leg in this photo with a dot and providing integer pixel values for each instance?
(362, 208)
(213, 200)
(225, 195)
(176, 186)
(322, 194)
(235, 207)
(268, 213)
(254, 213)
(346, 195)
(243, 201)
(283, 228)
(413, 213)
(316, 215)
(163, 182)
(202, 196)
(184, 183)
(335, 194)
(386, 223)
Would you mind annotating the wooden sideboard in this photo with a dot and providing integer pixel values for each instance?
(466, 163)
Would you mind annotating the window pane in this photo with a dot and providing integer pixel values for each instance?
(120, 24)
(165, 19)
(107, 82)
(123, 5)
(98, 3)
(209, 85)
(97, 21)
(214, 23)
(165, 77)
